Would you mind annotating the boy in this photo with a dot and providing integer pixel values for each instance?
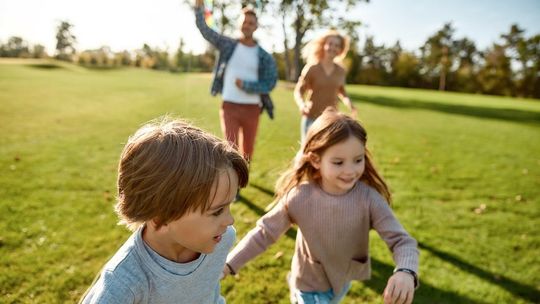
(175, 186)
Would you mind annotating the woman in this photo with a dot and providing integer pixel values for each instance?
(322, 80)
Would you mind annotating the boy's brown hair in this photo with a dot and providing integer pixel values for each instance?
(168, 168)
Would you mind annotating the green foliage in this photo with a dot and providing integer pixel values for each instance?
(464, 170)
(65, 41)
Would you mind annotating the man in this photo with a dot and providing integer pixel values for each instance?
(243, 72)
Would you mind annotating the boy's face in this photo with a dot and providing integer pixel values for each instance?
(200, 233)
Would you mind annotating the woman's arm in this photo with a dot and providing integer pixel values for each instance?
(300, 90)
(342, 94)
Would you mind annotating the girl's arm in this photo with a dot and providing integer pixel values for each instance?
(401, 285)
(268, 230)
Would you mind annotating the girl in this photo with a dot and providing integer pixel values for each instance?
(323, 78)
(335, 196)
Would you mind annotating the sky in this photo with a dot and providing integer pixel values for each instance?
(128, 24)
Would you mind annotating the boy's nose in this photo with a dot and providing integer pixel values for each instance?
(230, 220)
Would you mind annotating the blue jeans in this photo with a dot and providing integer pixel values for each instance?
(321, 297)
(304, 126)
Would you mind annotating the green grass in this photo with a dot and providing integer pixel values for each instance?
(464, 169)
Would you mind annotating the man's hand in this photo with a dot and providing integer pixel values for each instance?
(400, 289)
(238, 83)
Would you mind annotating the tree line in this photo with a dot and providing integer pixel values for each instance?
(510, 66)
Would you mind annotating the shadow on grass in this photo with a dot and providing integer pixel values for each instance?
(523, 291)
(45, 66)
(475, 111)
(291, 233)
(262, 189)
(425, 294)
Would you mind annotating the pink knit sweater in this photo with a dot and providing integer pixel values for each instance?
(332, 240)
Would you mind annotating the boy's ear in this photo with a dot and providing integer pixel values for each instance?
(154, 224)
(314, 160)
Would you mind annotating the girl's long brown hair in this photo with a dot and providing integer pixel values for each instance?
(327, 130)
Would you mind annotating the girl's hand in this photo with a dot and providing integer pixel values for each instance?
(400, 289)
(226, 271)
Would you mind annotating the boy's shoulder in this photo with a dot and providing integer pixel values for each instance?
(120, 278)
(126, 264)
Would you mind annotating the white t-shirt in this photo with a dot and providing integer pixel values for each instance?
(244, 64)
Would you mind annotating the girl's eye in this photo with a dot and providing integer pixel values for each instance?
(359, 160)
(338, 163)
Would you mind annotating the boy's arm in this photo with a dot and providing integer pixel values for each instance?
(268, 230)
(209, 34)
(267, 79)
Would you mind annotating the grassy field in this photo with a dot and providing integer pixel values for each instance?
(464, 169)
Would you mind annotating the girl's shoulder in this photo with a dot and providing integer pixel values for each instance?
(369, 193)
(299, 191)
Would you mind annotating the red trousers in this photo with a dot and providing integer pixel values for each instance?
(239, 124)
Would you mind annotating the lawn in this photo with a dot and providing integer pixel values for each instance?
(464, 170)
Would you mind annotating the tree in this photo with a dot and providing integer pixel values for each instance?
(495, 76)
(437, 55)
(466, 56)
(180, 57)
(309, 15)
(65, 41)
(38, 51)
(15, 47)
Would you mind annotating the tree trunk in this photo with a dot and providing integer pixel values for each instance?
(288, 75)
(299, 32)
(444, 69)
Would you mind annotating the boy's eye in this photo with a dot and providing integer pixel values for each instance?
(338, 163)
(218, 212)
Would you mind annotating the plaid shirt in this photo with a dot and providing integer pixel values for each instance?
(267, 72)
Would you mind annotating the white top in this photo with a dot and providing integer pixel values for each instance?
(244, 64)
(137, 274)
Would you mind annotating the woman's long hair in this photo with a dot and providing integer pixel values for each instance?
(313, 52)
(329, 129)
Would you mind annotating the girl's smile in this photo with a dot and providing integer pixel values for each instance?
(341, 165)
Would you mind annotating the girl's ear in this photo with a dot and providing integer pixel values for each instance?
(314, 160)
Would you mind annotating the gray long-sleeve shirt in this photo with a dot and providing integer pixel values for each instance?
(332, 240)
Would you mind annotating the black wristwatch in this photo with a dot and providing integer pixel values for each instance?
(411, 272)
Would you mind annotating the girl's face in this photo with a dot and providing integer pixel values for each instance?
(340, 166)
(332, 47)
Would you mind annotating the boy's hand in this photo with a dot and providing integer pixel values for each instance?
(400, 289)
